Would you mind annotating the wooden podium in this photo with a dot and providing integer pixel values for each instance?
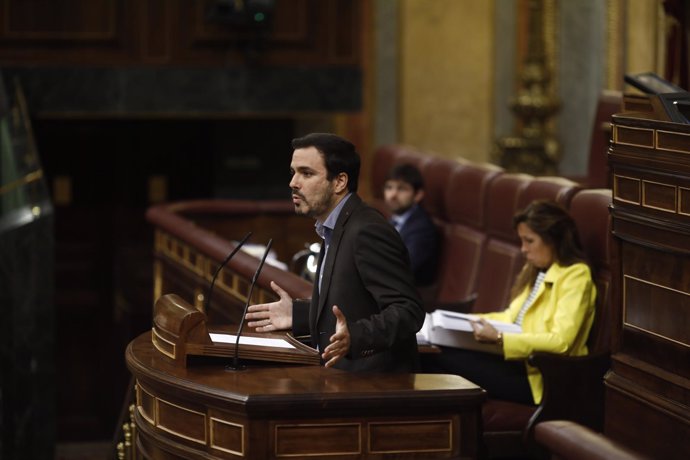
(298, 412)
(180, 331)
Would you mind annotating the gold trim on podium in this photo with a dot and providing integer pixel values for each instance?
(212, 441)
(310, 429)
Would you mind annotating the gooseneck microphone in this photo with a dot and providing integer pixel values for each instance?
(235, 365)
(223, 264)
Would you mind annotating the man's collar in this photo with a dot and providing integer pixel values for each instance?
(402, 218)
(332, 217)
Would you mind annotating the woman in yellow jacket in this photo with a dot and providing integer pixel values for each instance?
(553, 302)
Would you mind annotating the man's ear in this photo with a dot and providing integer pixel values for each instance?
(340, 183)
(419, 195)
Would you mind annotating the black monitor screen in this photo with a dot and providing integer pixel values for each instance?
(651, 83)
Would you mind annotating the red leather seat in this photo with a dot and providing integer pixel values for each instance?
(558, 189)
(436, 173)
(501, 259)
(463, 231)
(610, 102)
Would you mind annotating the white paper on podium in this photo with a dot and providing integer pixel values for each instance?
(246, 340)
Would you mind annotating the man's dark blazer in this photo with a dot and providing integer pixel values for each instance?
(421, 239)
(366, 274)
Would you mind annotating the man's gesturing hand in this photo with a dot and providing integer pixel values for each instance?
(274, 316)
(340, 341)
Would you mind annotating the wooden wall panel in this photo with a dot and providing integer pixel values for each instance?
(291, 24)
(65, 32)
(73, 20)
(649, 381)
(176, 33)
(156, 31)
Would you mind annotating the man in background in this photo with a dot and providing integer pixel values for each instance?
(403, 192)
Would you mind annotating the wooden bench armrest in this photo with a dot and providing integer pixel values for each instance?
(568, 440)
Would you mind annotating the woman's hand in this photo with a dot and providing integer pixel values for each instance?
(484, 331)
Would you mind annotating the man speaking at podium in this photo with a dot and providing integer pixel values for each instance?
(365, 311)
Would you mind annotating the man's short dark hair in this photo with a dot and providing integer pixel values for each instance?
(339, 155)
(407, 173)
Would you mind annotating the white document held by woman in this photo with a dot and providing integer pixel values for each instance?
(451, 329)
(462, 321)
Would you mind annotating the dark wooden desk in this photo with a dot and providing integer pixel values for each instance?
(272, 412)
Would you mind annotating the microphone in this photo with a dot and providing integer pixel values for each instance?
(222, 264)
(235, 365)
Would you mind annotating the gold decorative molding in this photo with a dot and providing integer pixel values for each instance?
(534, 149)
(647, 193)
(445, 426)
(26, 179)
(551, 40)
(127, 448)
(157, 278)
(200, 265)
(651, 194)
(163, 345)
(617, 194)
(683, 198)
(162, 421)
(634, 137)
(202, 420)
(665, 141)
(142, 407)
(333, 430)
(212, 443)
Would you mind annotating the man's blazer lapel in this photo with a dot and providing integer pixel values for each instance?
(331, 257)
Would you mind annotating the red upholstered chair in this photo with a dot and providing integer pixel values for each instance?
(558, 189)
(501, 259)
(463, 231)
(384, 159)
(610, 102)
(573, 386)
(467, 192)
(436, 173)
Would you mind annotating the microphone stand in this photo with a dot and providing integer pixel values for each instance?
(235, 361)
(222, 264)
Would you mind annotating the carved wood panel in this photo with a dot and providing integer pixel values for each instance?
(176, 32)
(650, 376)
(73, 20)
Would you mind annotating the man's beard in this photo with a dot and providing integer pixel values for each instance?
(400, 209)
(316, 209)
